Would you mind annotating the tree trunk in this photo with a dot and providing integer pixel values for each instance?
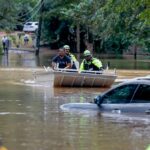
(135, 52)
(78, 37)
(39, 29)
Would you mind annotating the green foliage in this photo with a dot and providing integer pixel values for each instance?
(27, 10)
(7, 14)
(116, 24)
(11, 11)
(13, 40)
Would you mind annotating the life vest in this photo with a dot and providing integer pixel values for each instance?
(90, 65)
(73, 59)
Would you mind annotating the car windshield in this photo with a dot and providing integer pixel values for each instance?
(28, 23)
(122, 94)
(142, 95)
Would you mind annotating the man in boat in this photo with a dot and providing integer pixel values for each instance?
(72, 57)
(61, 61)
(90, 63)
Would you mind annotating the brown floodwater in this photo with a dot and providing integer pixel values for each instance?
(31, 118)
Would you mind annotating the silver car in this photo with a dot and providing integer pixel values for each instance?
(132, 96)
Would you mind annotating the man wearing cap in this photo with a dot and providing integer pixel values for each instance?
(61, 60)
(72, 57)
(90, 63)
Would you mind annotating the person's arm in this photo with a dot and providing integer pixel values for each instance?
(81, 66)
(68, 66)
(97, 63)
(68, 63)
(53, 65)
(73, 57)
(54, 62)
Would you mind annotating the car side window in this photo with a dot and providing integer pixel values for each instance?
(122, 94)
(142, 95)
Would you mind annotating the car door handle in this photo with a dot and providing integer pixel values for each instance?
(147, 111)
(116, 110)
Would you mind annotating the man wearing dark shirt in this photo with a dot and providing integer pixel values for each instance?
(61, 61)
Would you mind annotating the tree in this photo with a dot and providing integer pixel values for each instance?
(116, 23)
(7, 14)
(12, 11)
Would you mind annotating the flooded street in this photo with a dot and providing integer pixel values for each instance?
(31, 118)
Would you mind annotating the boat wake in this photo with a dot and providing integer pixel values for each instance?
(34, 83)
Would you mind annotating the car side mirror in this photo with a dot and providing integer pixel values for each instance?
(98, 100)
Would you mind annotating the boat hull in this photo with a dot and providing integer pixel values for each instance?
(75, 79)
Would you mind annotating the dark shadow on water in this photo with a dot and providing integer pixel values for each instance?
(5, 60)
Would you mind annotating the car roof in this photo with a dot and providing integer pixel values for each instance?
(138, 80)
(31, 22)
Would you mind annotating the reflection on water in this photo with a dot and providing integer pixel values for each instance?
(28, 59)
(19, 59)
(5, 60)
(31, 118)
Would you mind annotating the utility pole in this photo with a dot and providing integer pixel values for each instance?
(78, 37)
(39, 28)
(135, 52)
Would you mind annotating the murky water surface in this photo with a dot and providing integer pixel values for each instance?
(31, 118)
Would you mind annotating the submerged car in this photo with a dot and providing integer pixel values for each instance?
(30, 27)
(132, 96)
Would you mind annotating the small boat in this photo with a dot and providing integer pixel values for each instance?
(71, 78)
